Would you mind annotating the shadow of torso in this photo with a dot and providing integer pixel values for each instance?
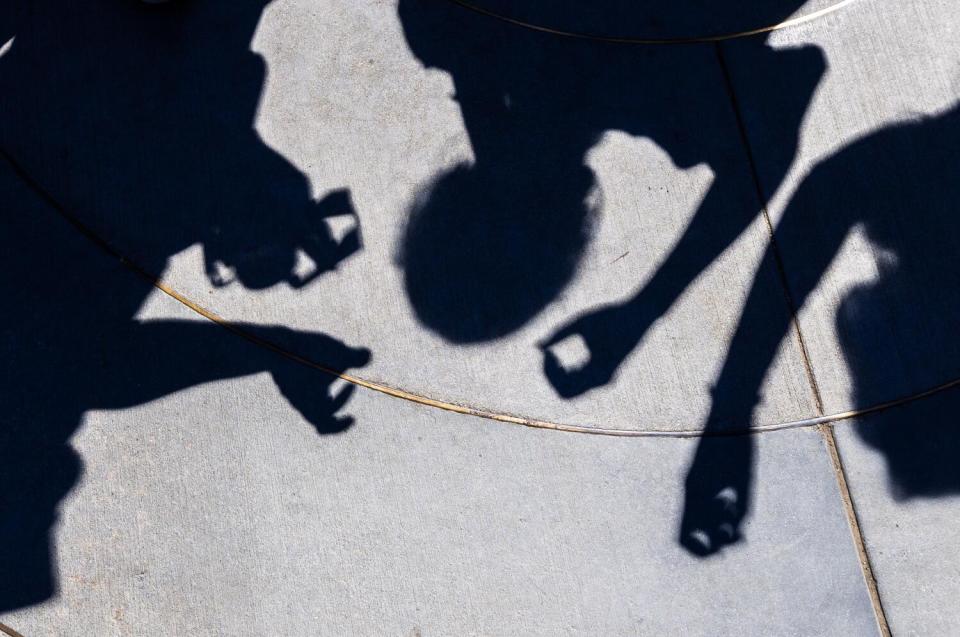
(138, 120)
(899, 331)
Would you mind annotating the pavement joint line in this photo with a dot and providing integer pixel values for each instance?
(856, 532)
(487, 414)
(704, 39)
(771, 234)
(9, 631)
(825, 429)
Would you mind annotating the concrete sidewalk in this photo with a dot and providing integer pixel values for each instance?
(643, 243)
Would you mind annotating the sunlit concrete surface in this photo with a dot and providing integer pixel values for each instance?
(474, 215)
(421, 520)
(881, 249)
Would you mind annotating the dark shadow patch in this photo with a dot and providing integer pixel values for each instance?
(138, 119)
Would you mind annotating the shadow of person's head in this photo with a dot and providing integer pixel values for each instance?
(489, 245)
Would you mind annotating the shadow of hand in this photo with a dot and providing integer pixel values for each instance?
(717, 495)
(307, 389)
(609, 335)
(325, 251)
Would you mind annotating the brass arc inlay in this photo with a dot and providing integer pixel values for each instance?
(438, 403)
(790, 22)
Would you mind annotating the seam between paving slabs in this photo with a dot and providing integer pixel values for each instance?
(702, 39)
(821, 421)
(825, 429)
(479, 412)
(9, 631)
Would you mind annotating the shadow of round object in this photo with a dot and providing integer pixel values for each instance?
(489, 248)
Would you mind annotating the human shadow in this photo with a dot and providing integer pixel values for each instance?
(137, 120)
(898, 332)
(490, 243)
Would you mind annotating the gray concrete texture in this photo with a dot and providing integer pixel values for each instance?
(207, 502)
(880, 251)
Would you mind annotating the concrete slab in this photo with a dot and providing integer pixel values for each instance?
(508, 220)
(218, 510)
(903, 476)
(650, 19)
(866, 224)
(887, 195)
(202, 500)
(475, 248)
